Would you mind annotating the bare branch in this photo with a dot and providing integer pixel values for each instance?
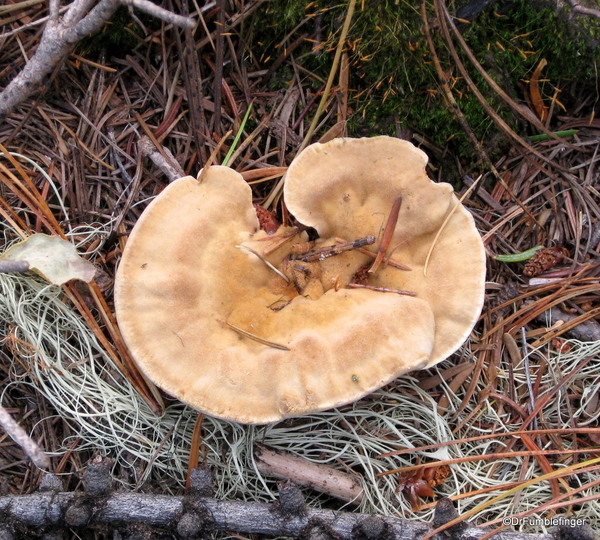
(164, 160)
(54, 9)
(161, 13)
(60, 37)
(199, 515)
(18, 434)
(91, 23)
(77, 11)
(193, 515)
(56, 44)
(317, 476)
(576, 7)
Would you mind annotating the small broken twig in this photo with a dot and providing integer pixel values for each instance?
(164, 160)
(17, 267)
(386, 260)
(330, 251)
(17, 433)
(161, 13)
(388, 232)
(317, 476)
(576, 7)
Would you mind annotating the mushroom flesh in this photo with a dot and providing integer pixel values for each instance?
(218, 328)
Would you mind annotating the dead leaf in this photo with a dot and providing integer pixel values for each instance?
(52, 257)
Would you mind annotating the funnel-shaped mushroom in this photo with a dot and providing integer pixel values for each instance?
(213, 325)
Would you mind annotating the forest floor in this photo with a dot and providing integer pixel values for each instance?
(70, 164)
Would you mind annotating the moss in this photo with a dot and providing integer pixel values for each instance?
(393, 81)
(520, 37)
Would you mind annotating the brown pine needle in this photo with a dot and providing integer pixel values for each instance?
(212, 157)
(437, 235)
(486, 457)
(554, 474)
(194, 460)
(534, 433)
(255, 338)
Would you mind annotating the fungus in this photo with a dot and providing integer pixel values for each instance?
(216, 327)
(347, 188)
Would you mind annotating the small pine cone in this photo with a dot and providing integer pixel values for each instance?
(543, 260)
(266, 219)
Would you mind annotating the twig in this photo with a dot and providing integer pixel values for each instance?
(161, 13)
(19, 267)
(167, 166)
(28, 445)
(386, 260)
(381, 289)
(325, 252)
(388, 232)
(58, 40)
(317, 476)
(576, 7)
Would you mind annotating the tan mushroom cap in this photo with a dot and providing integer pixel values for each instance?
(346, 188)
(182, 276)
